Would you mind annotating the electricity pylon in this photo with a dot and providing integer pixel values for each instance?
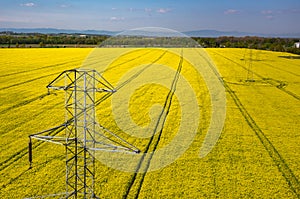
(250, 70)
(81, 129)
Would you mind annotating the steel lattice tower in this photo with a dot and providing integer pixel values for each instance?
(80, 86)
(249, 70)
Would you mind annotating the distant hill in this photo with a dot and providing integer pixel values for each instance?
(215, 33)
(58, 31)
(195, 33)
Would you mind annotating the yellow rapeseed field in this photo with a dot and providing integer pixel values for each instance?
(256, 156)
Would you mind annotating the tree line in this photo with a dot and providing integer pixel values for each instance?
(261, 43)
(48, 40)
(10, 39)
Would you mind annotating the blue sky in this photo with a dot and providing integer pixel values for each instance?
(256, 16)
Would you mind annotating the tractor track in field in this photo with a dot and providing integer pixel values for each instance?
(24, 151)
(23, 103)
(12, 127)
(125, 62)
(273, 153)
(16, 156)
(44, 95)
(274, 67)
(269, 65)
(99, 61)
(28, 81)
(40, 68)
(282, 166)
(139, 72)
(107, 95)
(153, 142)
(263, 78)
(37, 169)
(280, 69)
(56, 65)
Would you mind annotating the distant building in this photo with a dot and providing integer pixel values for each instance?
(83, 36)
(297, 45)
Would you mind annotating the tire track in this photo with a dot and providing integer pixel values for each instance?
(52, 66)
(37, 169)
(24, 151)
(16, 124)
(107, 95)
(272, 66)
(40, 68)
(23, 103)
(153, 142)
(125, 62)
(282, 166)
(262, 78)
(28, 81)
(19, 154)
(13, 158)
(139, 72)
(273, 153)
(269, 65)
(93, 60)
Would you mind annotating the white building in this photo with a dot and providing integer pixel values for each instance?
(297, 45)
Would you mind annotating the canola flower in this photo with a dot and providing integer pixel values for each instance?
(240, 165)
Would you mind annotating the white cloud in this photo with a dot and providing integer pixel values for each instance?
(148, 10)
(163, 10)
(267, 12)
(281, 12)
(64, 6)
(270, 17)
(30, 4)
(295, 11)
(231, 11)
(117, 19)
(135, 10)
